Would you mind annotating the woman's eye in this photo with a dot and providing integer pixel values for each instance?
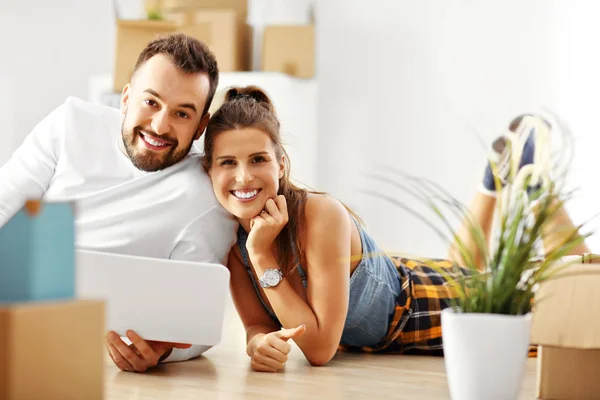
(227, 162)
(150, 102)
(259, 159)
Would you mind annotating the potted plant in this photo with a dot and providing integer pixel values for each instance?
(486, 332)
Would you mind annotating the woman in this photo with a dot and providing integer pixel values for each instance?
(304, 262)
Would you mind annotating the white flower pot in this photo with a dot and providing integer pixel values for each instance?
(485, 354)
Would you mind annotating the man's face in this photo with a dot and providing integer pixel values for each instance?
(163, 113)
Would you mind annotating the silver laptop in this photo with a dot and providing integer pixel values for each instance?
(164, 300)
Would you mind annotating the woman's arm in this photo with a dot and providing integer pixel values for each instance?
(266, 345)
(252, 313)
(327, 242)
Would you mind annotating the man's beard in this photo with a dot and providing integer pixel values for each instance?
(149, 160)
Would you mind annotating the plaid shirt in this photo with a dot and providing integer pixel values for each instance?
(416, 327)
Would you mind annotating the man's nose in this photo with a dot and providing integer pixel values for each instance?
(160, 123)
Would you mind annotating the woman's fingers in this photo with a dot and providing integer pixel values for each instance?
(272, 352)
(261, 367)
(272, 208)
(277, 343)
(282, 206)
(256, 221)
(261, 359)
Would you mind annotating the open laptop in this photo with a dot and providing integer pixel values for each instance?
(164, 300)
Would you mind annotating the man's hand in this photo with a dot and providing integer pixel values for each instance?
(140, 354)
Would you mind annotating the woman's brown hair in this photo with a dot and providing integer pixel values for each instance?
(250, 107)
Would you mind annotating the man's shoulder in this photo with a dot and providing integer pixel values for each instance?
(81, 110)
(188, 173)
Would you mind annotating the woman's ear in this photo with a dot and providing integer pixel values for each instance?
(282, 167)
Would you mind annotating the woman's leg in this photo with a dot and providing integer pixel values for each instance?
(519, 141)
(481, 211)
(479, 216)
(558, 229)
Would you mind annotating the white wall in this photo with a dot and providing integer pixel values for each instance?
(579, 103)
(402, 83)
(49, 49)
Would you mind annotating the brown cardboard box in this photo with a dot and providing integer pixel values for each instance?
(223, 37)
(134, 35)
(52, 350)
(240, 7)
(289, 49)
(566, 325)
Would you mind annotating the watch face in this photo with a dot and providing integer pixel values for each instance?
(271, 277)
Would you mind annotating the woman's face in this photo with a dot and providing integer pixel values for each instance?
(245, 171)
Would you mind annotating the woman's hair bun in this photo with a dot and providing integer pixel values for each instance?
(253, 93)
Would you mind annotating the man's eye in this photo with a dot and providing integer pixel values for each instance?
(181, 114)
(150, 102)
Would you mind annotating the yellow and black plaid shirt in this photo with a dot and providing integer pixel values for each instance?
(416, 327)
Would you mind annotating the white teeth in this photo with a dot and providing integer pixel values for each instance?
(245, 195)
(152, 141)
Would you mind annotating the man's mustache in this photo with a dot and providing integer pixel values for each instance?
(152, 134)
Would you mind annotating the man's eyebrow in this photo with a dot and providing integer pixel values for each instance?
(184, 105)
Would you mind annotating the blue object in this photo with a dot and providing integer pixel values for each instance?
(37, 255)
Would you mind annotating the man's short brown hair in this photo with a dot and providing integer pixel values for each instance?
(188, 54)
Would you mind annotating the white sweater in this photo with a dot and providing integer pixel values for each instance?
(73, 156)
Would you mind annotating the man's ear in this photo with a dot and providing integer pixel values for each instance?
(202, 126)
(125, 98)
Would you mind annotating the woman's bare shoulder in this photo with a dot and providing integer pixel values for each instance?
(322, 209)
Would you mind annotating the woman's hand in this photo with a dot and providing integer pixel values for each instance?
(269, 352)
(265, 227)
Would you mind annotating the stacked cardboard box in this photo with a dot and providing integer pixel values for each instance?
(222, 36)
(289, 49)
(566, 325)
(133, 36)
(241, 45)
(221, 24)
(51, 345)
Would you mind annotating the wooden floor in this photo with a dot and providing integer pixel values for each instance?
(224, 373)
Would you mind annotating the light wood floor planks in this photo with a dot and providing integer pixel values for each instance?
(224, 373)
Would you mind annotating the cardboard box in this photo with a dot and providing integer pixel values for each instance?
(134, 35)
(289, 49)
(223, 37)
(52, 351)
(239, 7)
(37, 254)
(566, 326)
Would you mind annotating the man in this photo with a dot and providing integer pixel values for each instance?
(137, 184)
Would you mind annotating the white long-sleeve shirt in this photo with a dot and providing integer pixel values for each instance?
(73, 156)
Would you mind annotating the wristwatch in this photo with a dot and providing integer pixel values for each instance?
(270, 278)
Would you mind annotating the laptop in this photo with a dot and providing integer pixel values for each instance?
(160, 299)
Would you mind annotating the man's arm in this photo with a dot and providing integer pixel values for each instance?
(206, 239)
(27, 174)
